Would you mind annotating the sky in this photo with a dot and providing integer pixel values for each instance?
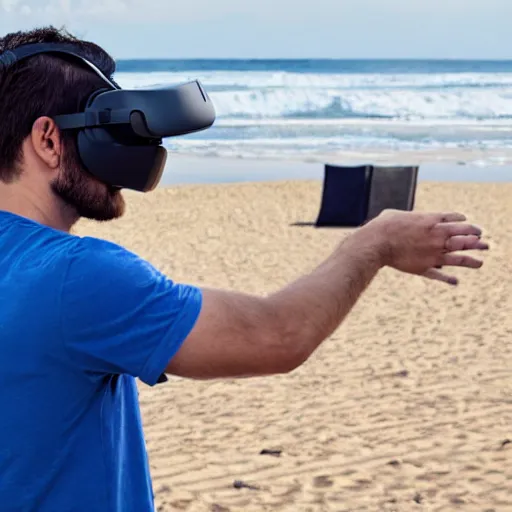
(445, 29)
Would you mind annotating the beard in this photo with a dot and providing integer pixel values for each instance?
(84, 194)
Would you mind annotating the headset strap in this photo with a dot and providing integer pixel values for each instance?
(93, 118)
(11, 57)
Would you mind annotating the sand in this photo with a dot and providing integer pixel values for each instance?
(408, 406)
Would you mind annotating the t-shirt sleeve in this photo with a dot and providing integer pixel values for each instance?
(119, 314)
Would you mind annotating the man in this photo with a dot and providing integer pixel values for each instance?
(81, 318)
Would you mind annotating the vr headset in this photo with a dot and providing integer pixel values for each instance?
(120, 132)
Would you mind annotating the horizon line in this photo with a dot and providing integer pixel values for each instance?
(369, 59)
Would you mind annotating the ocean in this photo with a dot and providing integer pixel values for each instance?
(310, 109)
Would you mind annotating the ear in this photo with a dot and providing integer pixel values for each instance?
(45, 137)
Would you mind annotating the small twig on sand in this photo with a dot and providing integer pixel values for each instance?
(238, 484)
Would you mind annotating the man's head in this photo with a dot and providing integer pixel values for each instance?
(32, 148)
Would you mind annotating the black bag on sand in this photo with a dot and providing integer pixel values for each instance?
(345, 196)
(354, 195)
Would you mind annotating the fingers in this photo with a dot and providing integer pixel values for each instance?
(451, 217)
(465, 243)
(453, 229)
(461, 260)
(436, 275)
(452, 260)
(460, 236)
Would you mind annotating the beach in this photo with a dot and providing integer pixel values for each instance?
(408, 405)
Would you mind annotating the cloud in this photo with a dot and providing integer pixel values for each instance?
(184, 11)
(334, 28)
(69, 9)
(8, 5)
(174, 11)
(390, 16)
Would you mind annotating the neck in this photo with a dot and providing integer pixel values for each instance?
(42, 206)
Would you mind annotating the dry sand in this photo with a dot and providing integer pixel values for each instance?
(407, 407)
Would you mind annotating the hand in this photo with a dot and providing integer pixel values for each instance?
(421, 244)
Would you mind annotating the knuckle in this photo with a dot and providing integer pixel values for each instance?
(461, 261)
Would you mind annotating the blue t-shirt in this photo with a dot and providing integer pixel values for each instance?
(80, 319)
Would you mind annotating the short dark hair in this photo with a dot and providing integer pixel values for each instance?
(43, 85)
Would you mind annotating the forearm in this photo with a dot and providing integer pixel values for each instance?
(312, 308)
(239, 334)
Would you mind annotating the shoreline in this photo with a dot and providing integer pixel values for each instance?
(192, 169)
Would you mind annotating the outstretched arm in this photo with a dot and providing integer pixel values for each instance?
(238, 335)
